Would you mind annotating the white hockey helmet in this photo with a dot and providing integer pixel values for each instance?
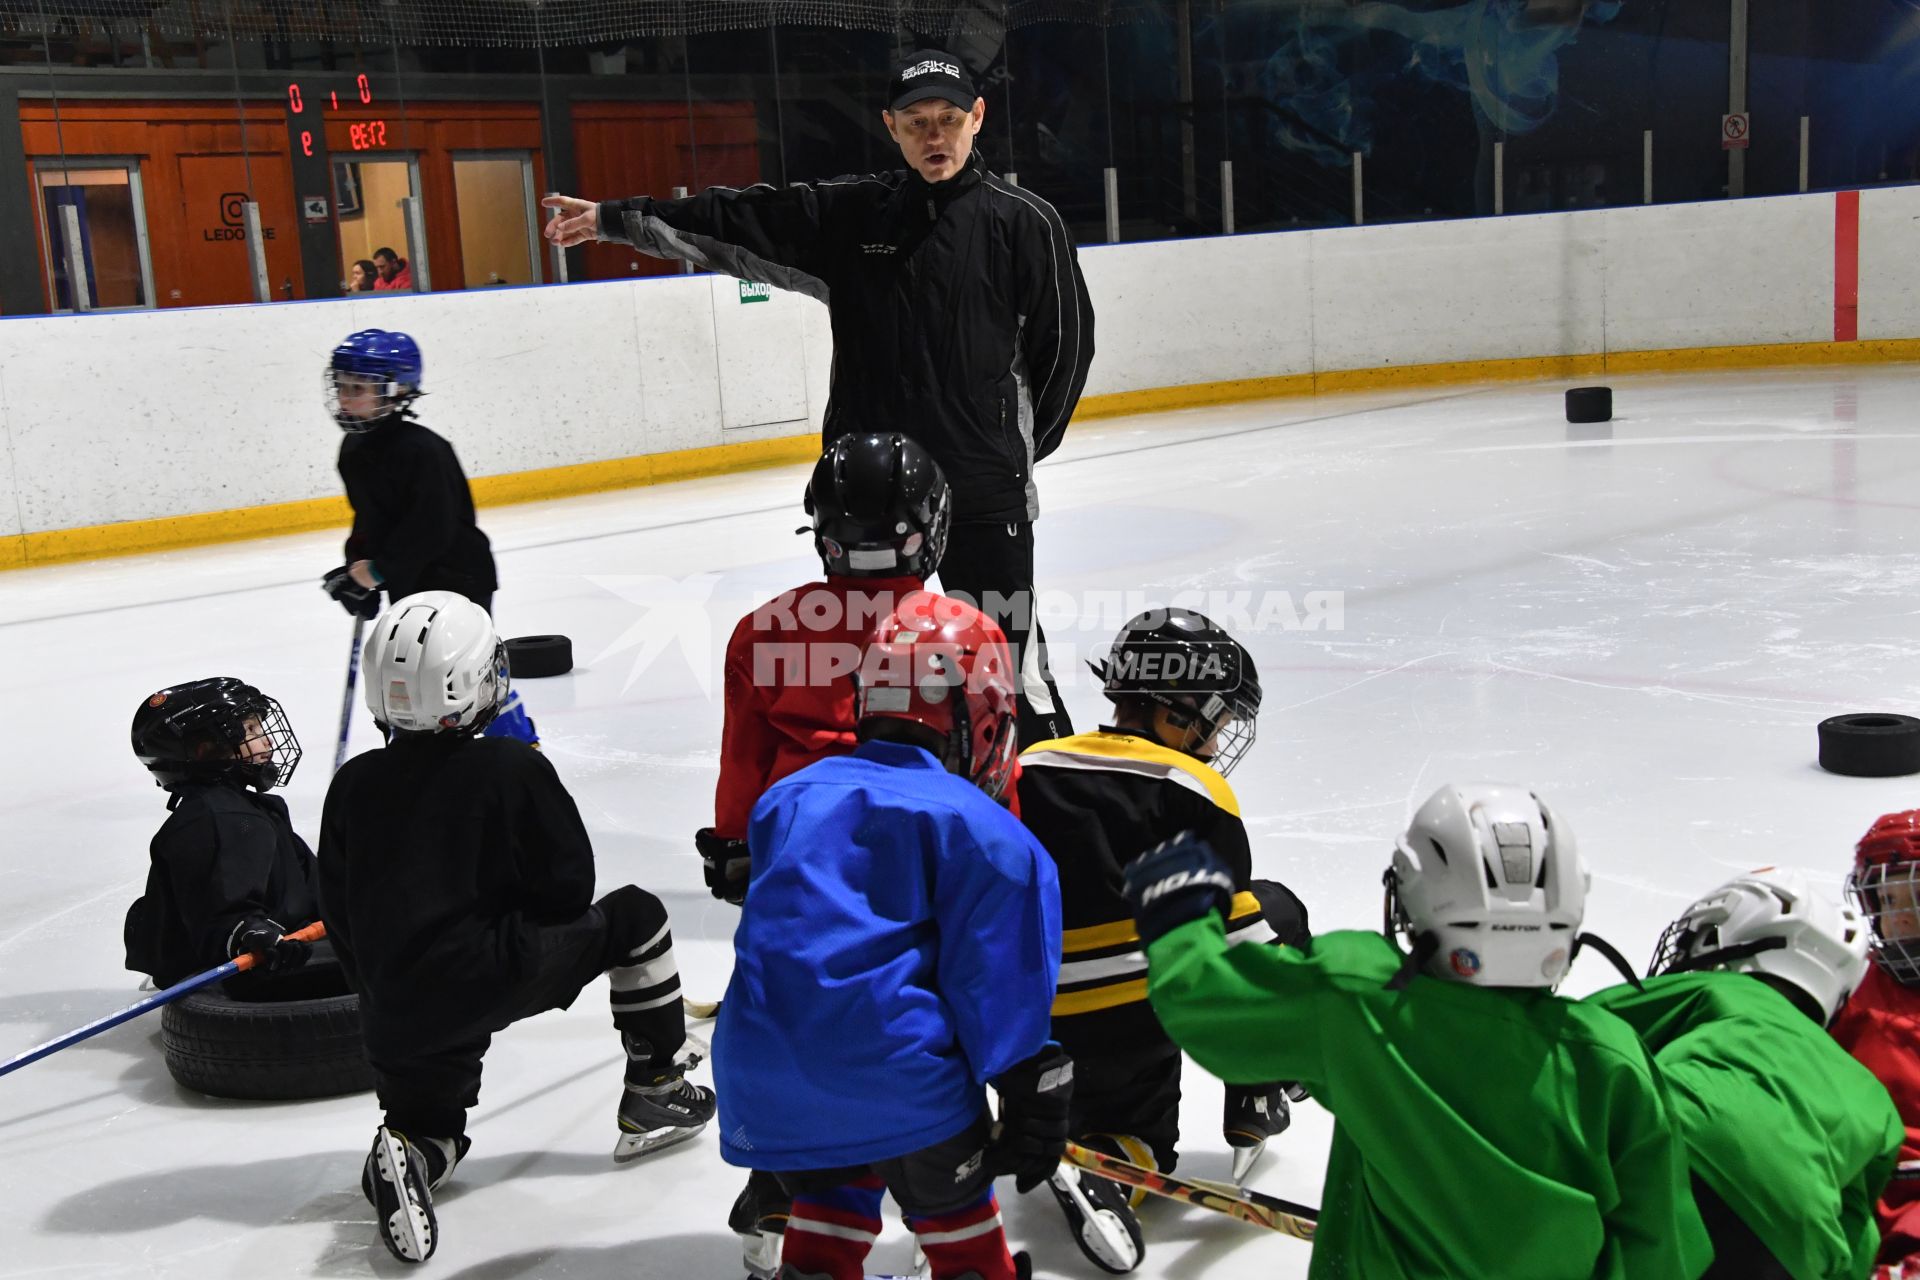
(1488, 887)
(1772, 921)
(434, 665)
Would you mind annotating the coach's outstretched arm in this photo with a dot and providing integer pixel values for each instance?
(774, 235)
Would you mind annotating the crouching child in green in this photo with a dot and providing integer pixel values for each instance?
(1483, 1125)
(1789, 1138)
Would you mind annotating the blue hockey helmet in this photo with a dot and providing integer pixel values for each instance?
(386, 363)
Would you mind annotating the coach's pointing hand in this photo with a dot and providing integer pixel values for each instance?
(578, 223)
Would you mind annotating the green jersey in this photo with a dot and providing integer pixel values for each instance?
(1778, 1119)
(1480, 1132)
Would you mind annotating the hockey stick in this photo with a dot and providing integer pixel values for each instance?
(239, 964)
(701, 1010)
(346, 699)
(1248, 1206)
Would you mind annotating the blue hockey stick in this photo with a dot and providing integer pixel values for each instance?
(346, 699)
(239, 964)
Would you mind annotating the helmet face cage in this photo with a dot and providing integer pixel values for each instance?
(1675, 945)
(491, 695)
(1888, 895)
(283, 748)
(1224, 720)
(391, 398)
(1395, 922)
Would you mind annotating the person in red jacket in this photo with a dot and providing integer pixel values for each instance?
(881, 511)
(1880, 1024)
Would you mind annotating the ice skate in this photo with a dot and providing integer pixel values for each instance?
(1102, 1222)
(1253, 1116)
(660, 1108)
(399, 1179)
(759, 1218)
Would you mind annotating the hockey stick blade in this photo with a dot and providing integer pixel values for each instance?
(1252, 1207)
(701, 1010)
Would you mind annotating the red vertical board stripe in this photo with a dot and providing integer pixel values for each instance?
(1846, 266)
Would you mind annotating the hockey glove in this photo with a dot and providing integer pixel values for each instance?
(1032, 1133)
(1177, 882)
(726, 865)
(269, 945)
(361, 602)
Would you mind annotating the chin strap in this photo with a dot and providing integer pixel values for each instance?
(1608, 950)
(1424, 947)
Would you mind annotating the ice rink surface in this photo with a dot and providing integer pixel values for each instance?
(1644, 621)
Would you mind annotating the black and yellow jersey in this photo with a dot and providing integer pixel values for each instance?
(1097, 801)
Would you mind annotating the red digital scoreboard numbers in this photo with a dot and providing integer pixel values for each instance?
(362, 135)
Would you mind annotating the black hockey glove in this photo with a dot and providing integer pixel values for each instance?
(269, 945)
(361, 602)
(1032, 1133)
(1177, 882)
(725, 864)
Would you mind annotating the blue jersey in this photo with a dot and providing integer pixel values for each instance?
(899, 949)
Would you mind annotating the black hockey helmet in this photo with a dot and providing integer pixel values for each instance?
(880, 507)
(1184, 662)
(197, 732)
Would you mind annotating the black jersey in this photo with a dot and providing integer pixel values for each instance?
(1097, 801)
(413, 512)
(440, 859)
(225, 855)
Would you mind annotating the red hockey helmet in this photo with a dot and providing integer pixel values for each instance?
(939, 662)
(1885, 886)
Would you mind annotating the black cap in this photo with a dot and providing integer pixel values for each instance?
(931, 73)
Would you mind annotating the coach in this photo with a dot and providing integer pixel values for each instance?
(959, 318)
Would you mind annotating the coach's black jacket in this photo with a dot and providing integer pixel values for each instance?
(413, 512)
(959, 314)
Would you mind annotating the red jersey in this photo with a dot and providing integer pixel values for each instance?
(1881, 1027)
(789, 686)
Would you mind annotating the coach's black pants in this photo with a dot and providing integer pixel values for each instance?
(990, 565)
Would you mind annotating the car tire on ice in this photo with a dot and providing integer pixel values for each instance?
(1870, 745)
(267, 1050)
(536, 656)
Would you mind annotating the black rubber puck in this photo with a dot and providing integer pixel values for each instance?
(1590, 404)
(1870, 745)
(530, 657)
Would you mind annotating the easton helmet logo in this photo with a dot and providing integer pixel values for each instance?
(1464, 962)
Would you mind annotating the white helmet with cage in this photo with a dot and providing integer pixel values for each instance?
(1772, 921)
(1488, 887)
(435, 665)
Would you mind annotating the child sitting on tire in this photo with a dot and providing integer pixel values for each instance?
(229, 874)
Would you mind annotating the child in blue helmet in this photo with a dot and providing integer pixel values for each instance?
(413, 525)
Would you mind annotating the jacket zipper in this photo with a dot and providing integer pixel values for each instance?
(1019, 454)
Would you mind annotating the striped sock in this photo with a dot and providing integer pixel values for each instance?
(831, 1232)
(645, 994)
(968, 1241)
